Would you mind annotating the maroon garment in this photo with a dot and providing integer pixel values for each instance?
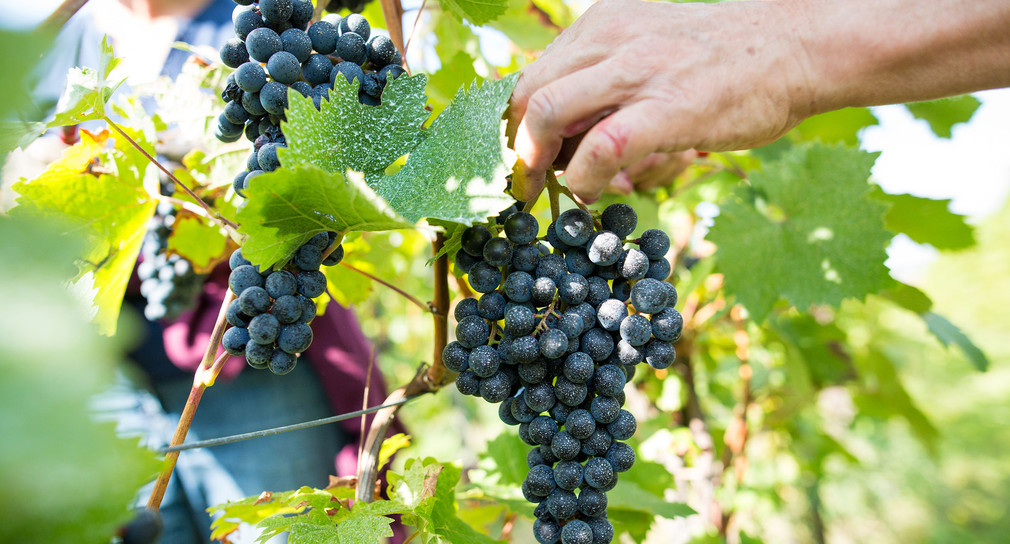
(339, 354)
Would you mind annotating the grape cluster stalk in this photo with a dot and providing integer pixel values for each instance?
(553, 338)
(276, 51)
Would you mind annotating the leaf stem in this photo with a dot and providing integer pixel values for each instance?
(553, 190)
(405, 294)
(211, 214)
(204, 377)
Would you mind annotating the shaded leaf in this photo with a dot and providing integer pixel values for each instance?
(944, 113)
(926, 221)
(478, 12)
(948, 334)
(201, 243)
(838, 126)
(88, 89)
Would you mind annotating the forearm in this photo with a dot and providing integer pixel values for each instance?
(870, 52)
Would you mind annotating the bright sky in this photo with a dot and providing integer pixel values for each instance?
(972, 168)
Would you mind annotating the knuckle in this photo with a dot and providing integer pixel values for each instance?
(542, 108)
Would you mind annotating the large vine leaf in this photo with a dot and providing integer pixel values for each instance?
(478, 12)
(288, 206)
(804, 231)
(458, 171)
(110, 209)
(346, 135)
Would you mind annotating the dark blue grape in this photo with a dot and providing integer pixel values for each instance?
(472, 331)
(351, 47)
(316, 69)
(524, 349)
(543, 292)
(262, 43)
(576, 531)
(623, 427)
(628, 354)
(605, 409)
(620, 456)
(542, 430)
(521, 228)
(264, 329)
(246, 22)
(546, 532)
(372, 85)
(236, 259)
(578, 262)
(659, 269)
(539, 397)
(667, 325)
(553, 344)
(235, 340)
(633, 264)
(518, 286)
(603, 531)
(568, 475)
(491, 306)
(598, 344)
(233, 53)
(648, 296)
(609, 380)
(244, 277)
(525, 257)
(308, 309)
(252, 104)
(381, 51)
(308, 258)
(579, 367)
(597, 443)
(505, 415)
(604, 248)
(562, 503)
(295, 338)
(282, 362)
(483, 361)
(349, 70)
(484, 278)
(636, 330)
(357, 24)
(521, 411)
(573, 288)
(258, 355)
(654, 243)
(324, 37)
(301, 12)
(267, 157)
(540, 480)
(532, 372)
(580, 423)
(570, 393)
(598, 472)
(619, 218)
(284, 67)
(391, 71)
(574, 227)
(660, 354)
(287, 309)
(274, 97)
(496, 388)
(474, 238)
(498, 252)
(552, 266)
(298, 43)
(311, 283)
(236, 316)
(276, 11)
(465, 307)
(592, 503)
(235, 113)
(254, 301)
(467, 382)
(455, 356)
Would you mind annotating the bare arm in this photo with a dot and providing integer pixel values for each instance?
(647, 77)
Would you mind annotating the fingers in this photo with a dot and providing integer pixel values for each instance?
(564, 108)
(659, 169)
(618, 141)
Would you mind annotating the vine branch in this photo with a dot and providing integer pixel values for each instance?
(61, 15)
(440, 313)
(211, 214)
(204, 377)
(417, 302)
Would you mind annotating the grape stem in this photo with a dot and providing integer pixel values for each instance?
(61, 15)
(553, 190)
(204, 377)
(211, 214)
(392, 11)
(417, 302)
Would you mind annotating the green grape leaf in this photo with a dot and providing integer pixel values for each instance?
(839, 126)
(288, 206)
(250, 510)
(88, 89)
(505, 459)
(201, 243)
(346, 286)
(390, 446)
(944, 113)
(478, 12)
(111, 210)
(53, 365)
(346, 135)
(525, 27)
(458, 172)
(805, 231)
(453, 241)
(948, 334)
(926, 221)
(456, 71)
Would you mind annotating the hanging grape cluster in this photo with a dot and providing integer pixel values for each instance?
(554, 337)
(168, 283)
(276, 51)
(273, 308)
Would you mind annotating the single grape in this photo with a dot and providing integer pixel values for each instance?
(542, 430)
(235, 316)
(552, 266)
(236, 260)
(577, 261)
(667, 324)
(611, 313)
(605, 409)
(574, 227)
(484, 278)
(633, 264)
(258, 355)
(392, 71)
(467, 383)
(659, 269)
(246, 22)
(543, 292)
(568, 474)
(539, 397)
(262, 43)
(592, 502)
(308, 258)
(233, 53)
(518, 286)
(295, 338)
(472, 331)
(264, 329)
(648, 296)
(357, 24)
(654, 243)
(311, 283)
(483, 361)
(562, 503)
(623, 427)
(660, 354)
(235, 340)
(254, 300)
(533, 372)
(546, 532)
(498, 252)
(287, 309)
(636, 329)
(276, 11)
(381, 51)
(570, 393)
(308, 309)
(580, 423)
(324, 37)
(597, 443)
(620, 456)
(628, 354)
(573, 288)
(145, 528)
(284, 67)
(525, 257)
(298, 43)
(598, 344)
(465, 307)
(274, 97)
(521, 228)
(524, 349)
(553, 344)
(496, 388)
(604, 248)
(619, 218)
(603, 531)
(474, 238)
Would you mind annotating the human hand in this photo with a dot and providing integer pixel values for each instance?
(642, 78)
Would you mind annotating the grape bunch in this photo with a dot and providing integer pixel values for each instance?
(273, 308)
(168, 283)
(350, 5)
(276, 51)
(554, 337)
